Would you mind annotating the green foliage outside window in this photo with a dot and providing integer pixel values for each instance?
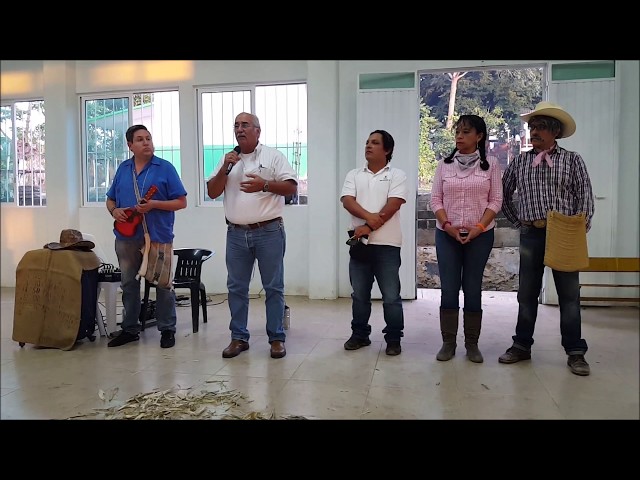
(498, 96)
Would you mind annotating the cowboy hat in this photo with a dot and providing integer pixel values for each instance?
(70, 239)
(552, 110)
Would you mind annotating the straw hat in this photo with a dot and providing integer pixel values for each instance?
(70, 239)
(552, 110)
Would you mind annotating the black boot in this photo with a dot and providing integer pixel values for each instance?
(472, 324)
(449, 330)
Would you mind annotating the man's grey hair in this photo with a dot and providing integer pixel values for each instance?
(254, 118)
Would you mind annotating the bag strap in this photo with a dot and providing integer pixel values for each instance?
(139, 197)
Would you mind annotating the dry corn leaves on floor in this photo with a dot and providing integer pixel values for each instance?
(180, 404)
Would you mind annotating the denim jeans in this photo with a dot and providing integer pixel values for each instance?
(129, 259)
(462, 266)
(267, 245)
(384, 266)
(532, 244)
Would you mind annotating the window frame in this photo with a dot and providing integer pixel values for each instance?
(129, 94)
(13, 154)
(203, 199)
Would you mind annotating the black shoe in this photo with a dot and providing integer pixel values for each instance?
(393, 348)
(578, 365)
(513, 355)
(124, 337)
(354, 343)
(168, 339)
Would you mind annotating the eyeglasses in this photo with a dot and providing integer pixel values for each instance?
(244, 125)
(538, 126)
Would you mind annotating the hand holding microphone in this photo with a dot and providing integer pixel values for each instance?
(230, 166)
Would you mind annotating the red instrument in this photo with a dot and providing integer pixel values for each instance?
(134, 218)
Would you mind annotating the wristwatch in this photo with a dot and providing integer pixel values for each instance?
(265, 187)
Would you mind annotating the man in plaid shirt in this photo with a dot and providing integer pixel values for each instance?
(548, 177)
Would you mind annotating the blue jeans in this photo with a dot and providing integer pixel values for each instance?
(384, 265)
(462, 266)
(267, 245)
(129, 259)
(532, 244)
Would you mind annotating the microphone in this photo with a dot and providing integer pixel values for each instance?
(237, 150)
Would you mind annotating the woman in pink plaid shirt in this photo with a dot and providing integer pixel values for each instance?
(466, 196)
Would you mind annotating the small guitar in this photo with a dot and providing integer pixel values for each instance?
(134, 218)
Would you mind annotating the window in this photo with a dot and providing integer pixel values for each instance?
(282, 110)
(22, 153)
(105, 123)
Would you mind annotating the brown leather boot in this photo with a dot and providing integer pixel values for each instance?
(277, 349)
(235, 348)
(472, 324)
(449, 330)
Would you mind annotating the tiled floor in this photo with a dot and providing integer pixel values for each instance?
(318, 379)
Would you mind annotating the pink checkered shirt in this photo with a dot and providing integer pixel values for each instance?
(466, 198)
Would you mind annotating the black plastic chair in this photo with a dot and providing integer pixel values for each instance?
(187, 275)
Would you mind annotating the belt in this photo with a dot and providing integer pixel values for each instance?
(536, 223)
(253, 226)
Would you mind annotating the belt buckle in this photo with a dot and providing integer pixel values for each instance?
(539, 223)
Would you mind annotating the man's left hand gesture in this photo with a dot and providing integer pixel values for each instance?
(253, 183)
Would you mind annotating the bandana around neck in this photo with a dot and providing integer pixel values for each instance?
(544, 155)
(466, 160)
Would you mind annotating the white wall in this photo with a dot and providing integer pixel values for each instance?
(316, 258)
(627, 234)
